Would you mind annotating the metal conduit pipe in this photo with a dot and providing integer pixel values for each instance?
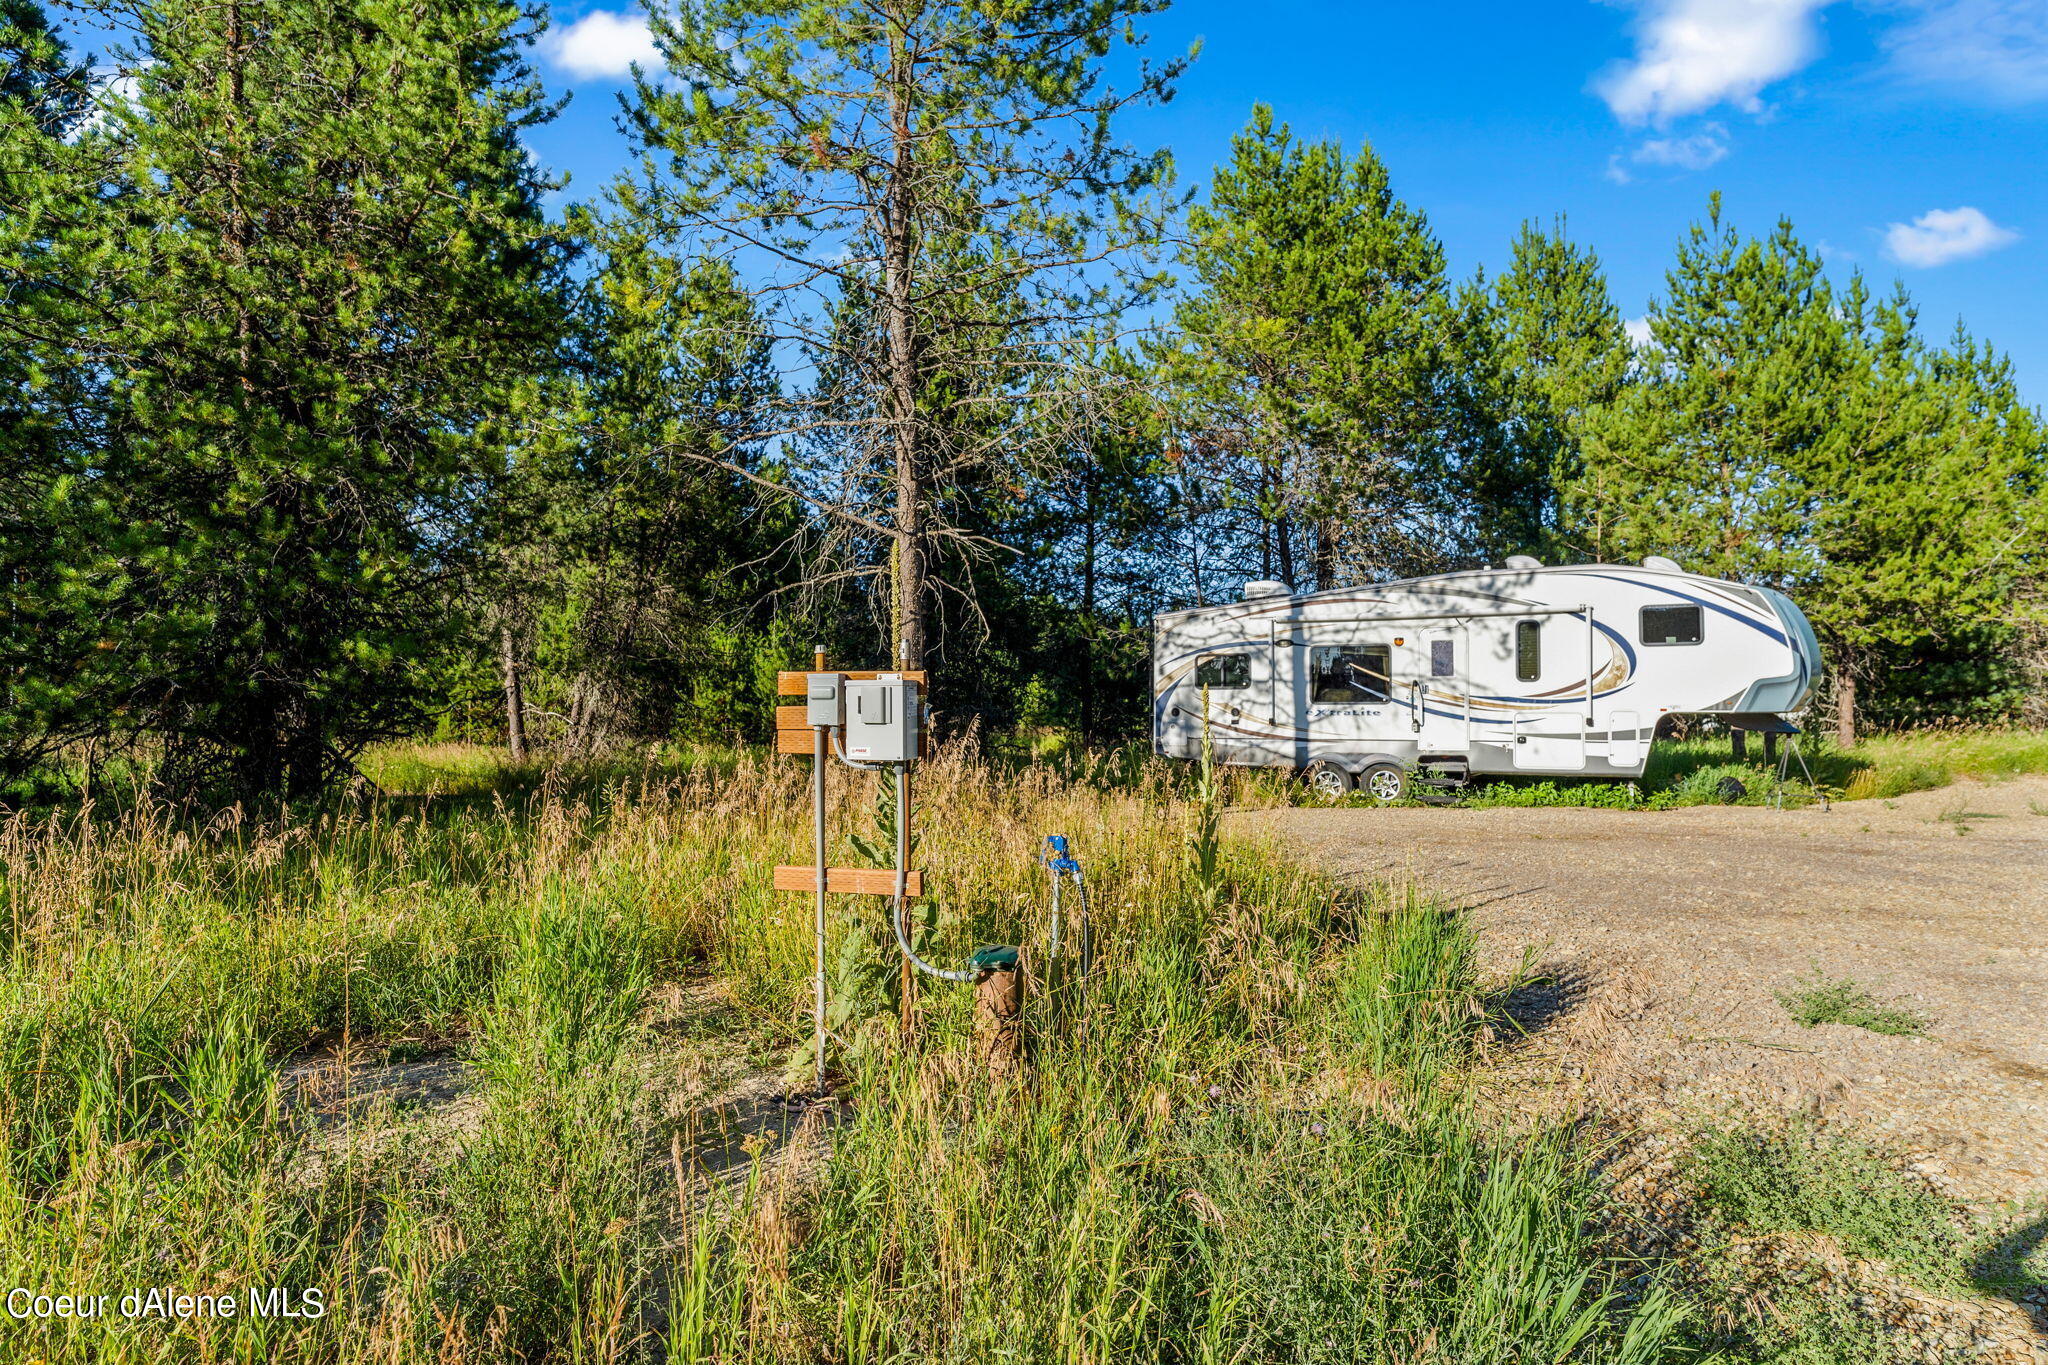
(1061, 865)
(902, 875)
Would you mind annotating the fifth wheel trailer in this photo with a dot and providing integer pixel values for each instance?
(1558, 671)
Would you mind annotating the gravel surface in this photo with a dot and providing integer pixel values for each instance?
(1666, 937)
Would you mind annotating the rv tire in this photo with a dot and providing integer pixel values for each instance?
(1328, 778)
(1384, 782)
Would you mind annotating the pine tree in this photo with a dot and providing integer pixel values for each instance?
(333, 293)
(661, 548)
(1927, 530)
(54, 683)
(1070, 609)
(1311, 359)
(1780, 433)
(1710, 456)
(928, 158)
(1542, 347)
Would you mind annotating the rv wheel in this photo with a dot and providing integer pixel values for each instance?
(1327, 779)
(1386, 781)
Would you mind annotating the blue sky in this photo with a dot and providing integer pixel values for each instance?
(1906, 138)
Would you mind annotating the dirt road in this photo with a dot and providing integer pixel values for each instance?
(1668, 936)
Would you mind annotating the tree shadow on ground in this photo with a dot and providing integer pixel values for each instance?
(2014, 1265)
(1533, 1003)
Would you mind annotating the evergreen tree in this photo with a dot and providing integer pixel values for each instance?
(1781, 434)
(331, 295)
(927, 156)
(1090, 525)
(1927, 526)
(1311, 358)
(663, 552)
(1711, 455)
(1542, 347)
(55, 685)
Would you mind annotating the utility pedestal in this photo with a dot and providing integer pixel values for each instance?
(999, 1011)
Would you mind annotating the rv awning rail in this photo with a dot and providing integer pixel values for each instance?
(1579, 610)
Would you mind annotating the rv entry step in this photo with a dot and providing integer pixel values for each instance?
(1440, 777)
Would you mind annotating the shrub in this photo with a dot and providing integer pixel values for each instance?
(1824, 1001)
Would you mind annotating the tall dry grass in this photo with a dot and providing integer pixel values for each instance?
(1245, 1139)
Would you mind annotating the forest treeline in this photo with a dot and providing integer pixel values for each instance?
(326, 417)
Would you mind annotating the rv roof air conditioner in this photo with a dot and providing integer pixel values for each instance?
(1266, 587)
(1524, 562)
(1660, 562)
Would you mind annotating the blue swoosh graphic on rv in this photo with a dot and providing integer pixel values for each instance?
(1711, 606)
(1627, 652)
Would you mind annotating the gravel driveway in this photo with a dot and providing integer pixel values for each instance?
(1667, 936)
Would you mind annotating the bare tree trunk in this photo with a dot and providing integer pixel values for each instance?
(1845, 709)
(1325, 557)
(515, 695)
(898, 246)
(1088, 536)
(573, 723)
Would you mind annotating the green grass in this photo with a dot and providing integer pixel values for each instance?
(1698, 772)
(1803, 1180)
(1252, 1137)
(1822, 1000)
(1798, 1181)
(1256, 1135)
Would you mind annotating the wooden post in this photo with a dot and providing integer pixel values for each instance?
(998, 1020)
(1740, 740)
(1770, 746)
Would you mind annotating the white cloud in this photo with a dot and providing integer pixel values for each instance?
(1692, 153)
(1694, 54)
(1943, 235)
(604, 43)
(1638, 330)
(1986, 47)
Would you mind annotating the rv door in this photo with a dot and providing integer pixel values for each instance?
(1550, 737)
(1430, 685)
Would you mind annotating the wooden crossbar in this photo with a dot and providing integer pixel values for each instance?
(870, 881)
(792, 684)
(799, 742)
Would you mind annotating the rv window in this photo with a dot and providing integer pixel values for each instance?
(1442, 658)
(1671, 625)
(1528, 651)
(1224, 670)
(1348, 674)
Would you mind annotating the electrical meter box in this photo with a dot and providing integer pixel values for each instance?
(825, 699)
(881, 721)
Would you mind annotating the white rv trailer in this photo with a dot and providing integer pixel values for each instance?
(1562, 671)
